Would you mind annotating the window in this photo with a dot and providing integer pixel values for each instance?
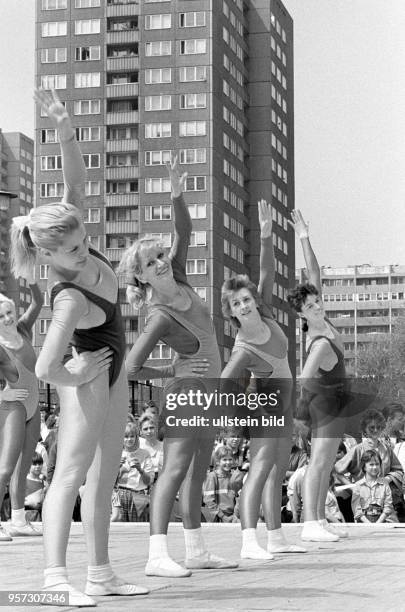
(87, 107)
(94, 241)
(121, 187)
(91, 160)
(83, 54)
(165, 238)
(193, 100)
(158, 103)
(196, 266)
(158, 22)
(196, 183)
(87, 133)
(53, 55)
(87, 26)
(193, 19)
(53, 5)
(158, 47)
(122, 133)
(158, 130)
(157, 185)
(192, 73)
(201, 292)
(54, 28)
(158, 75)
(44, 325)
(91, 215)
(193, 46)
(193, 156)
(192, 128)
(158, 213)
(53, 81)
(92, 188)
(51, 190)
(198, 239)
(51, 162)
(122, 159)
(49, 136)
(87, 3)
(87, 79)
(157, 158)
(161, 351)
(197, 211)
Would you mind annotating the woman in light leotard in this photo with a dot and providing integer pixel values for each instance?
(261, 348)
(323, 382)
(19, 414)
(178, 317)
(92, 385)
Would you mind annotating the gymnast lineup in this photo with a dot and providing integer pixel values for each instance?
(84, 357)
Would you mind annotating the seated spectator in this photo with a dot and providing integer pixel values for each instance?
(373, 425)
(131, 495)
(343, 486)
(219, 489)
(52, 423)
(372, 499)
(332, 510)
(35, 489)
(149, 442)
(41, 450)
(299, 450)
(294, 492)
(394, 414)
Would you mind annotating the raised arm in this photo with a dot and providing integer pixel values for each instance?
(311, 262)
(74, 171)
(69, 307)
(182, 221)
(267, 262)
(31, 314)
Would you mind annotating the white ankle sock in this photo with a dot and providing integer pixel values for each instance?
(100, 573)
(158, 546)
(18, 517)
(249, 537)
(194, 542)
(54, 576)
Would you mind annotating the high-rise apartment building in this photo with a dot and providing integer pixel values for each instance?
(361, 302)
(16, 188)
(210, 80)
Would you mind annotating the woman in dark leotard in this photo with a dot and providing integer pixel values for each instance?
(323, 382)
(19, 414)
(92, 385)
(261, 349)
(178, 317)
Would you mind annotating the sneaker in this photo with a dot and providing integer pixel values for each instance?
(316, 533)
(256, 552)
(4, 536)
(74, 597)
(336, 530)
(209, 561)
(167, 568)
(23, 531)
(115, 586)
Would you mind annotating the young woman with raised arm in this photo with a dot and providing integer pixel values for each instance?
(261, 349)
(92, 385)
(323, 382)
(178, 317)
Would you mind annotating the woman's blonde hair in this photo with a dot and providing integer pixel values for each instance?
(130, 266)
(4, 298)
(44, 228)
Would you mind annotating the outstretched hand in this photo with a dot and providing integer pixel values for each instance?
(265, 218)
(300, 227)
(57, 113)
(177, 180)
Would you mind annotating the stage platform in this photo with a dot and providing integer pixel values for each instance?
(362, 573)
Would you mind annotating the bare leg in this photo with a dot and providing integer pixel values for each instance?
(190, 497)
(18, 480)
(12, 436)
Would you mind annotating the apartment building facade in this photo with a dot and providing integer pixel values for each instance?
(211, 81)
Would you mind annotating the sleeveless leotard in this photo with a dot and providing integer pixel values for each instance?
(110, 333)
(26, 378)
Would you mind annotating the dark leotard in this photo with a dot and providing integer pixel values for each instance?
(110, 333)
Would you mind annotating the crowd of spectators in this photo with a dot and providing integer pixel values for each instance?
(366, 483)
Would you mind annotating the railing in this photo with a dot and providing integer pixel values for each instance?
(123, 10)
(121, 146)
(122, 36)
(117, 173)
(121, 227)
(122, 199)
(131, 62)
(120, 118)
(122, 90)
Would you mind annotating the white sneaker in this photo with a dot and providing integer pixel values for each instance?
(18, 531)
(115, 586)
(255, 552)
(336, 529)
(74, 597)
(316, 533)
(167, 568)
(209, 561)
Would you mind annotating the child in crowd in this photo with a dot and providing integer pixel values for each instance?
(130, 497)
(150, 443)
(219, 489)
(35, 489)
(372, 499)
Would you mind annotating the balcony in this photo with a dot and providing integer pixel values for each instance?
(122, 146)
(117, 173)
(122, 199)
(121, 227)
(128, 311)
(131, 336)
(131, 62)
(114, 255)
(122, 36)
(122, 117)
(123, 10)
(122, 90)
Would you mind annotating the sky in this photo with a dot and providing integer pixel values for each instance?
(349, 119)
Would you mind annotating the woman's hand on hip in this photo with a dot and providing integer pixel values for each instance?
(191, 367)
(89, 364)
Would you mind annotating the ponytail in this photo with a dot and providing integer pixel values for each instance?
(23, 253)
